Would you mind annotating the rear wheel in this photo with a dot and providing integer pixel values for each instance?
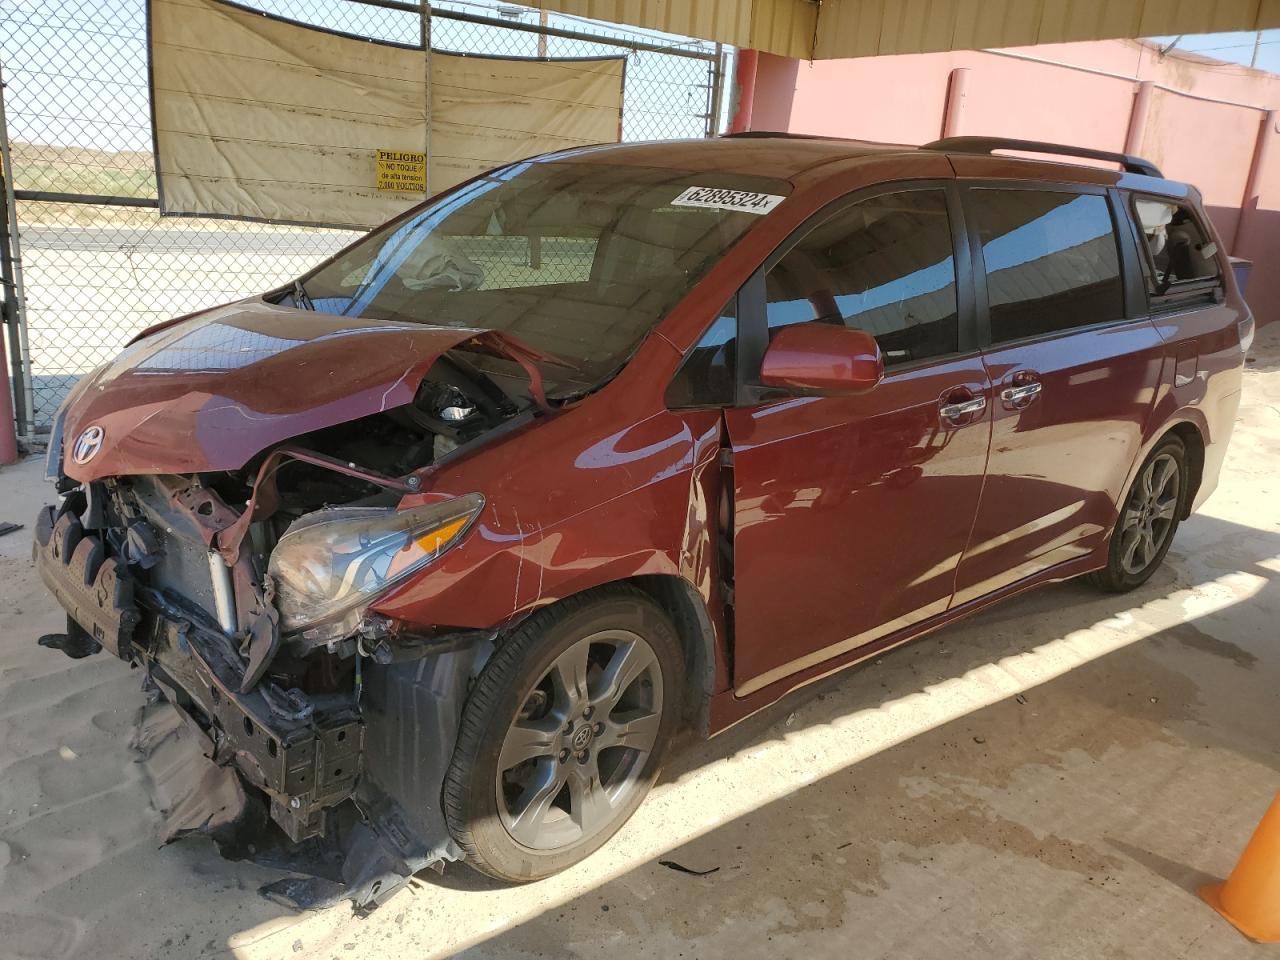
(1149, 517)
(563, 735)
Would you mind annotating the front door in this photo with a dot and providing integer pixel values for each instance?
(851, 513)
(1072, 380)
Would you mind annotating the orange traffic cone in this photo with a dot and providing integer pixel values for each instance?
(1250, 898)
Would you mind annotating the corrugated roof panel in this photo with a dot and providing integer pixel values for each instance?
(1188, 15)
(901, 24)
(939, 21)
(783, 26)
(854, 28)
(1119, 19)
(918, 24)
(1204, 16)
(708, 18)
(976, 18)
(728, 21)
(1069, 19)
(1229, 12)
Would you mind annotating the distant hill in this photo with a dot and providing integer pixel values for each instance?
(80, 170)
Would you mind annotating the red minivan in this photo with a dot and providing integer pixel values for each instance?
(441, 544)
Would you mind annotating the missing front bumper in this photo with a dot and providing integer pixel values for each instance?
(306, 756)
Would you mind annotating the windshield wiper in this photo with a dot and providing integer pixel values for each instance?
(300, 298)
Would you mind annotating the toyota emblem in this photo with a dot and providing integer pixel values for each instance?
(88, 444)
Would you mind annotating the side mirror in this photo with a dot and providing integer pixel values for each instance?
(823, 358)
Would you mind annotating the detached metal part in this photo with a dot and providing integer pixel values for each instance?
(224, 599)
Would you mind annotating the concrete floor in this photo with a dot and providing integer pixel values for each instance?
(1053, 779)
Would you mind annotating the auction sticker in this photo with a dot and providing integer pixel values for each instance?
(742, 201)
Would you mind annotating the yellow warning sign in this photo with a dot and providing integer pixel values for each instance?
(402, 171)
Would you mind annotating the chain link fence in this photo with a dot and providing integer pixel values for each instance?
(97, 261)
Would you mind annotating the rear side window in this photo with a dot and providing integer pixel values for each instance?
(884, 265)
(1178, 253)
(1052, 261)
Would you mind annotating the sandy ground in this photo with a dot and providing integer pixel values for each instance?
(1052, 779)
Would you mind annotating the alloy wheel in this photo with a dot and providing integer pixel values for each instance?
(1149, 514)
(572, 757)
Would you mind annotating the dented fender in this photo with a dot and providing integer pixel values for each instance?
(653, 485)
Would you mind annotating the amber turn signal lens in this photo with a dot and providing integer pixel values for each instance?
(433, 540)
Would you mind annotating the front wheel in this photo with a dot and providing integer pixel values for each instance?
(1149, 516)
(563, 734)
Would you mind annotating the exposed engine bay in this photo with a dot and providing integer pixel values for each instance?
(256, 630)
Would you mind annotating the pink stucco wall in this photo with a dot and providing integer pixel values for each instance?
(1202, 123)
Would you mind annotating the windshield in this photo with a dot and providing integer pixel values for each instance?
(580, 260)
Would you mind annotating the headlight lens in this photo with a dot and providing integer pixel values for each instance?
(329, 565)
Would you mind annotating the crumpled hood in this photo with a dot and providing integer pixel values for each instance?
(211, 391)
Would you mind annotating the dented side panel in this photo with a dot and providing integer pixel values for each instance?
(652, 485)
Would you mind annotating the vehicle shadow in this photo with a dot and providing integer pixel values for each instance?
(1012, 627)
(1235, 564)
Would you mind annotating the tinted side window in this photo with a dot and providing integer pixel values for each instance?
(707, 378)
(1177, 248)
(1052, 261)
(885, 266)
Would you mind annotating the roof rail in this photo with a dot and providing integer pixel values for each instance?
(988, 145)
(775, 134)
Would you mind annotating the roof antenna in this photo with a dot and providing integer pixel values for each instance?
(1176, 40)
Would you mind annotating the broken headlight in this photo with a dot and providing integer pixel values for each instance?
(330, 564)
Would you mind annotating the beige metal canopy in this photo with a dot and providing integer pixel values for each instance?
(829, 29)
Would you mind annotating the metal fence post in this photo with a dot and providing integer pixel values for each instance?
(8, 322)
(716, 69)
(425, 39)
(16, 381)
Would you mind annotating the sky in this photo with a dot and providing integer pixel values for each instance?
(1232, 47)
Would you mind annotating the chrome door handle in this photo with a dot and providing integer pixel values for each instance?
(1024, 392)
(954, 411)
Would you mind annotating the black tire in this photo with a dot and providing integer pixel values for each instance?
(1123, 571)
(521, 679)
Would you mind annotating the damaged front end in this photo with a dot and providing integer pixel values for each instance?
(244, 591)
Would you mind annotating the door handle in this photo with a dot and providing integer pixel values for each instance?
(1026, 391)
(954, 411)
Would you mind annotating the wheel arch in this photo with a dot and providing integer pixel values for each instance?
(700, 633)
(1190, 426)
(699, 636)
(1193, 440)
